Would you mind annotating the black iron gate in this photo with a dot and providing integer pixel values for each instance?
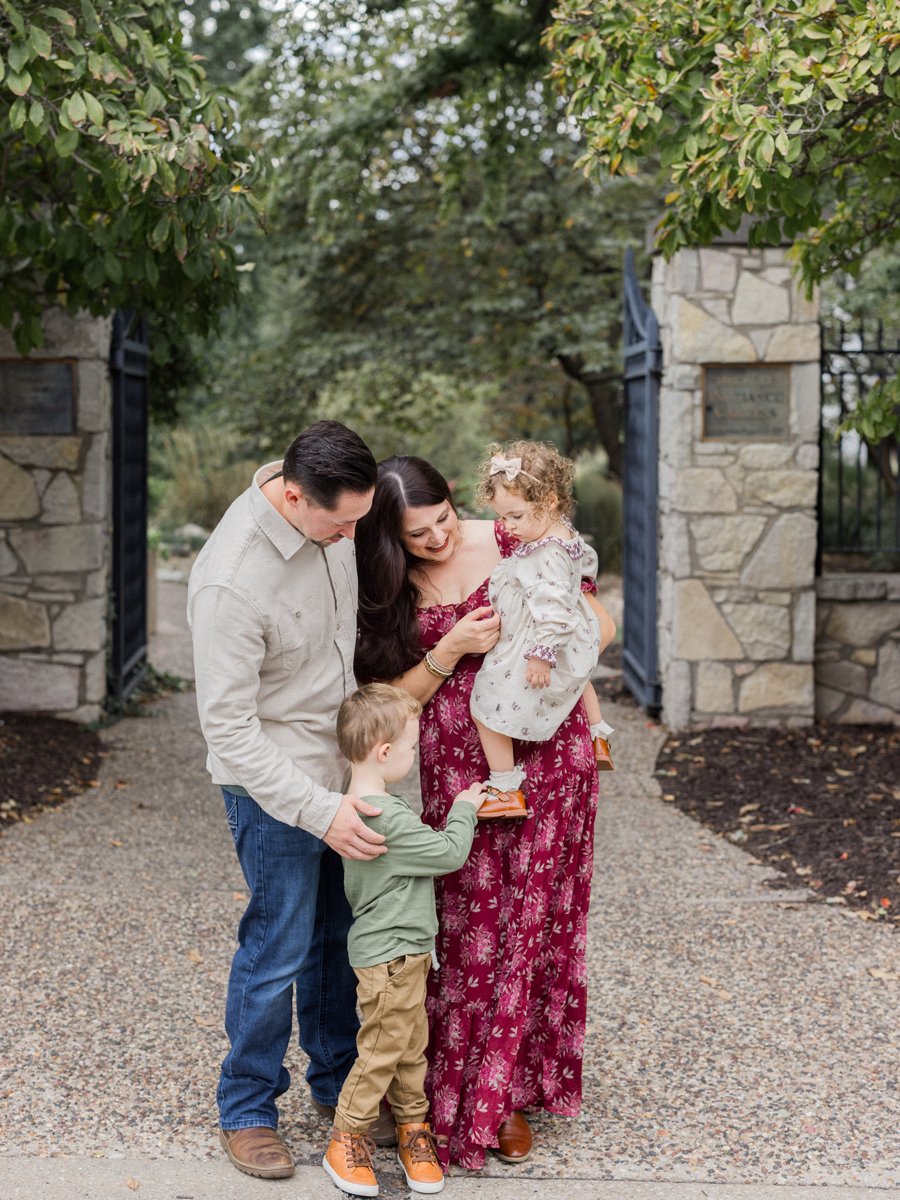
(129, 354)
(859, 482)
(643, 363)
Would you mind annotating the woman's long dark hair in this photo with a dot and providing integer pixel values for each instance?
(388, 630)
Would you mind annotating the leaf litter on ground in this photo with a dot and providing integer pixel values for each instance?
(821, 804)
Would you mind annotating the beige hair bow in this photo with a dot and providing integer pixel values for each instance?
(510, 467)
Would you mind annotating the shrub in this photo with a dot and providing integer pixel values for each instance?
(205, 470)
(599, 516)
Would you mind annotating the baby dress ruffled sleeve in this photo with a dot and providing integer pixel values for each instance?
(551, 585)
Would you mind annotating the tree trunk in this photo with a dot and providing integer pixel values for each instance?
(603, 393)
(880, 454)
(603, 389)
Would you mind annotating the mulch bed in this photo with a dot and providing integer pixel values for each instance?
(822, 804)
(42, 762)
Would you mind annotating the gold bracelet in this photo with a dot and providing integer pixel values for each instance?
(436, 669)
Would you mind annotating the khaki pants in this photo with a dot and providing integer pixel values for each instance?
(390, 1045)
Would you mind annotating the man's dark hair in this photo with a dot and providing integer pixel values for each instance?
(328, 459)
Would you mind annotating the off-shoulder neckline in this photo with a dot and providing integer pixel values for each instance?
(499, 535)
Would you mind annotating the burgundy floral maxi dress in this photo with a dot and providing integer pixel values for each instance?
(507, 1009)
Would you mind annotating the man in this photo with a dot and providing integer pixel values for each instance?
(272, 609)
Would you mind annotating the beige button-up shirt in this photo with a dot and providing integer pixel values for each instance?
(273, 618)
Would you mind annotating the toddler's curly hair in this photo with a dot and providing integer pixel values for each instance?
(544, 473)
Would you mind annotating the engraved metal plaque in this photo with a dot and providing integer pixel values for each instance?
(37, 397)
(745, 403)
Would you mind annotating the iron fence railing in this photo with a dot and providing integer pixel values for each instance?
(859, 497)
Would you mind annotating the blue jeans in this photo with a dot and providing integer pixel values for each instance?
(293, 932)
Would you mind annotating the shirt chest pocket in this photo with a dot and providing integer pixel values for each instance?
(305, 630)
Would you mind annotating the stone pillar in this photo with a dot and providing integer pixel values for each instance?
(55, 506)
(737, 517)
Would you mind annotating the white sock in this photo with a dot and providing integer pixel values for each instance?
(601, 729)
(507, 781)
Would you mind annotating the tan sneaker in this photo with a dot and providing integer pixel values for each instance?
(258, 1151)
(348, 1160)
(418, 1157)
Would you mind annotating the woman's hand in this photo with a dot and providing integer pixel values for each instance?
(475, 633)
(538, 673)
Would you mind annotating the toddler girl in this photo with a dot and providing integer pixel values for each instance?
(549, 636)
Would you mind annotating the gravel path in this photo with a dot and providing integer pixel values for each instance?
(735, 1035)
(171, 648)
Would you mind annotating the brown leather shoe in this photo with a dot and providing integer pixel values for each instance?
(419, 1158)
(601, 753)
(258, 1151)
(348, 1161)
(384, 1131)
(502, 806)
(514, 1139)
(324, 1110)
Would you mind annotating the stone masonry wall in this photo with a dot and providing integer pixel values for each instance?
(858, 649)
(55, 539)
(737, 520)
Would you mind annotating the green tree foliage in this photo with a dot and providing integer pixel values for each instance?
(876, 417)
(222, 32)
(870, 295)
(866, 303)
(444, 418)
(427, 215)
(788, 112)
(118, 176)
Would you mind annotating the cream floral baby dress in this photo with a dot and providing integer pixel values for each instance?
(543, 614)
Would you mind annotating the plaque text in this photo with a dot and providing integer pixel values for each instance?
(744, 403)
(37, 397)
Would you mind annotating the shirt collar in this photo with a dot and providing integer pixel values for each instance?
(286, 539)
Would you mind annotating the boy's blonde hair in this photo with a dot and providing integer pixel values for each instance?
(371, 715)
(544, 472)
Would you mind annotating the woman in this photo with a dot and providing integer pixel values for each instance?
(507, 1009)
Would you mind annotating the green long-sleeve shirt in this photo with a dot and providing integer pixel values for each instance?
(392, 896)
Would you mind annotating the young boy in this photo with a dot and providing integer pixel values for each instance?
(391, 942)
